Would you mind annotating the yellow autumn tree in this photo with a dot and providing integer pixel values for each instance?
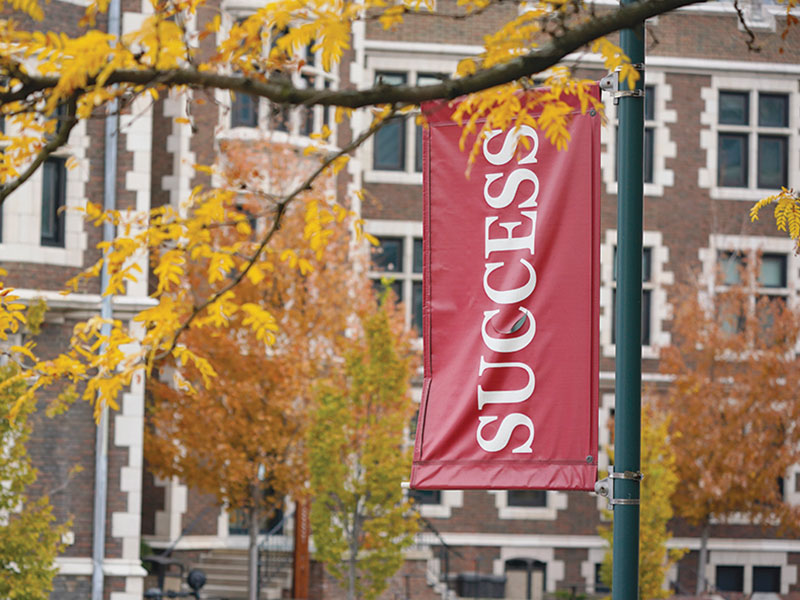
(50, 81)
(658, 486)
(239, 433)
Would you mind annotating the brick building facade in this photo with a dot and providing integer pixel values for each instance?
(696, 206)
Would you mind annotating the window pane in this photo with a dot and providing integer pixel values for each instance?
(279, 118)
(647, 260)
(429, 78)
(416, 307)
(388, 78)
(646, 309)
(767, 579)
(732, 158)
(388, 256)
(599, 586)
(772, 155)
(390, 146)
(734, 108)
(417, 255)
(527, 498)
(730, 578)
(244, 111)
(426, 496)
(53, 198)
(649, 102)
(731, 264)
(773, 110)
(393, 284)
(649, 147)
(773, 271)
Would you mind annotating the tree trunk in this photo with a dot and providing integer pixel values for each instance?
(351, 572)
(702, 560)
(252, 553)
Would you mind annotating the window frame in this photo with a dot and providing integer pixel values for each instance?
(423, 66)
(662, 144)
(55, 208)
(751, 133)
(21, 238)
(654, 289)
(408, 278)
(298, 127)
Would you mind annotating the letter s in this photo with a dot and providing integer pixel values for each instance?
(510, 189)
(510, 145)
(504, 431)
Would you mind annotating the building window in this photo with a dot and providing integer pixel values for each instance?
(253, 112)
(765, 273)
(426, 496)
(397, 146)
(54, 180)
(751, 139)
(657, 145)
(753, 124)
(767, 269)
(527, 498)
(655, 279)
(398, 260)
(529, 504)
(599, 586)
(647, 296)
(648, 152)
(767, 579)
(244, 111)
(730, 578)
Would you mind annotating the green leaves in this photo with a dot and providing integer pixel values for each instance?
(29, 541)
(358, 457)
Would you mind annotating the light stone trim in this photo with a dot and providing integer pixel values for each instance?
(663, 146)
(554, 570)
(660, 279)
(450, 499)
(555, 501)
(22, 212)
(178, 183)
(138, 129)
(596, 555)
(168, 524)
(129, 433)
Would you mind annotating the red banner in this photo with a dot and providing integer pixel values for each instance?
(510, 314)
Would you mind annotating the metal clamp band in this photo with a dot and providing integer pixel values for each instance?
(605, 487)
(629, 475)
(623, 501)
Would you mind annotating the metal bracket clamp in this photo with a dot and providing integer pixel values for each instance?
(610, 83)
(605, 487)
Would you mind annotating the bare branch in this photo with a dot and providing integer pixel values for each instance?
(751, 37)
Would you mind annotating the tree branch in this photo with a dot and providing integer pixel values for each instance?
(280, 210)
(281, 91)
(54, 144)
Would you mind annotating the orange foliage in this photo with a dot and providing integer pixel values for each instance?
(243, 430)
(734, 404)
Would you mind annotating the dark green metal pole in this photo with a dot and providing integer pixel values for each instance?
(627, 440)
